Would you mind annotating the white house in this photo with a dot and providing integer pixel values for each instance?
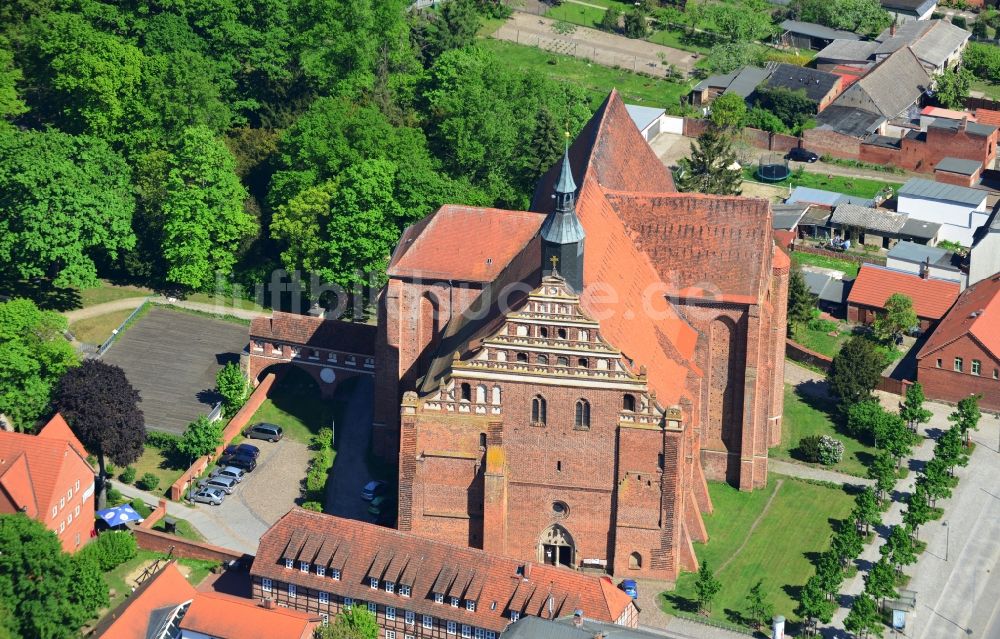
(958, 209)
(984, 257)
(651, 121)
(921, 259)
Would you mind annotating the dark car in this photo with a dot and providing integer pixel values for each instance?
(246, 450)
(373, 489)
(243, 462)
(269, 432)
(630, 588)
(802, 155)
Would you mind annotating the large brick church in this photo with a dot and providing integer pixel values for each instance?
(559, 383)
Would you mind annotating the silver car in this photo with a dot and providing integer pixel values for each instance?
(225, 484)
(229, 471)
(209, 495)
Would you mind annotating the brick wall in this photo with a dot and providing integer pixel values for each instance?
(232, 429)
(693, 127)
(162, 542)
(949, 385)
(799, 353)
(958, 179)
(829, 142)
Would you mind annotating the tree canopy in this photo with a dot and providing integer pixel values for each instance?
(855, 371)
(710, 167)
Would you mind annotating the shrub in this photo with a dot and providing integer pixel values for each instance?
(114, 497)
(809, 448)
(127, 476)
(823, 325)
(831, 450)
(140, 507)
(323, 439)
(111, 549)
(110, 469)
(162, 441)
(149, 481)
(959, 21)
(313, 505)
(318, 468)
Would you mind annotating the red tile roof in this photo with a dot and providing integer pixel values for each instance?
(463, 243)
(931, 297)
(975, 313)
(167, 589)
(292, 328)
(362, 551)
(987, 116)
(227, 617)
(31, 468)
(57, 428)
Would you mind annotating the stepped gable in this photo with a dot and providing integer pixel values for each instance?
(702, 245)
(463, 243)
(611, 151)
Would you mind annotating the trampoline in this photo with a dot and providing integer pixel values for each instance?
(772, 167)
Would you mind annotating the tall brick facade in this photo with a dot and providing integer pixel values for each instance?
(579, 427)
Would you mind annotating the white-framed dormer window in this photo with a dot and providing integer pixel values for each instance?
(480, 633)
(514, 615)
(404, 590)
(348, 602)
(470, 605)
(55, 511)
(62, 527)
(466, 631)
(452, 627)
(320, 571)
(303, 566)
(265, 584)
(62, 503)
(372, 607)
(438, 597)
(409, 617)
(76, 511)
(69, 494)
(289, 563)
(373, 583)
(390, 613)
(69, 519)
(390, 586)
(335, 573)
(324, 597)
(291, 591)
(428, 622)
(390, 634)
(325, 617)
(453, 601)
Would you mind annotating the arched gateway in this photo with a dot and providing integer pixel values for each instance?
(556, 547)
(329, 350)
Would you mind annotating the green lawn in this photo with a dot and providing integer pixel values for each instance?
(108, 292)
(294, 403)
(680, 39)
(991, 91)
(94, 330)
(577, 14)
(821, 341)
(779, 551)
(223, 301)
(859, 187)
(845, 266)
(595, 79)
(805, 416)
(167, 467)
(183, 529)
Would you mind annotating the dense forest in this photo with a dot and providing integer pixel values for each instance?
(164, 141)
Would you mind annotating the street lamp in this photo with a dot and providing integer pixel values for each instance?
(947, 539)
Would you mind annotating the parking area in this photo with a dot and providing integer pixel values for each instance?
(264, 495)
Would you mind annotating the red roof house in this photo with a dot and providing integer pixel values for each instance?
(962, 356)
(48, 479)
(931, 297)
(167, 602)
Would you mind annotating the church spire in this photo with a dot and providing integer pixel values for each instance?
(562, 233)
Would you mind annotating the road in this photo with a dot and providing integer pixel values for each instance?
(350, 470)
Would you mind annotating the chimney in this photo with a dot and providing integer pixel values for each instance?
(925, 268)
(316, 311)
(578, 618)
(268, 603)
(526, 571)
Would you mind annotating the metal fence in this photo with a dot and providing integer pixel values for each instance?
(103, 348)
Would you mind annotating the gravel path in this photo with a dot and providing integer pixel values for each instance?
(134, 302)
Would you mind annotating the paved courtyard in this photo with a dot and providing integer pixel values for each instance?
(172, 358)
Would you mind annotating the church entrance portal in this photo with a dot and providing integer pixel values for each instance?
(556, 548)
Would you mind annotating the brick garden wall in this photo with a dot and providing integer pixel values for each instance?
(162, 542)
(829, 142)
(233, 428)
(693, 127)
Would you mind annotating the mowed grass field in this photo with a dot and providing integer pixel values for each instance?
(805, 417)
(845, 266)
(94, 330)
(294, 403)
(779, 550)
(595, 79)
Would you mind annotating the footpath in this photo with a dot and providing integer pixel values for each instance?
(129, 303)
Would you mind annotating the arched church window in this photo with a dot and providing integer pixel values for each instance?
(584, 336)
(635, 561)
(482, 440)
(521, 330)
(628, 403)
(562, 333)
(583, 363)
(543, 360)
(522, 357)
(480, 394)
(496, 395)
(538, 410)
(562, 361)
(582, 414)
(466, 392)
(543, 332)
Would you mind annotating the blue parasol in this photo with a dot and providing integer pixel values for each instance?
(119, 515)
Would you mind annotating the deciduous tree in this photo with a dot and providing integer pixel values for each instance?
(936, 480)
(33, 356)
(728, 111)
(952, 86)
(234, 387)
(880, 582)
(863, 618)
(707, 587)
(847, 544)
(102, 409)
(883, 471)
(712, 166)
(814, 604)
(66, 200)
(759, 609)
(918, 510)
(899, 548)
(201, 437)
(49, 592)
(913, 410)
(204, 217)
(896, 317)
(966, 416)
(949, 448)
(866, 511)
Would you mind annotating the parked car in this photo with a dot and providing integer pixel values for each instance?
(209, 495)
(229, 471)
(630, 588)
(802, 155)
(269, 432)
(247, 450)
(373, 489)
(378, 503)
(225, 484)
(242, 462)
